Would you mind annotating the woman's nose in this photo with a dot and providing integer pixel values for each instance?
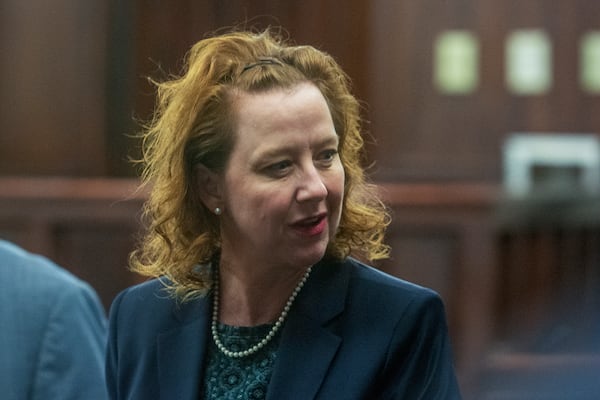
(311, 186)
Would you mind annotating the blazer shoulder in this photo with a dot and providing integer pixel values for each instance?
(150, 296)
(153, 289)
(151, 306)
(376, 294)
(370, 278)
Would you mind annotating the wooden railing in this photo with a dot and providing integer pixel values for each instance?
(88, 226)
(444, 236)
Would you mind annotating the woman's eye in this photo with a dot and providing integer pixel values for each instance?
(279, 168)
(328, 155)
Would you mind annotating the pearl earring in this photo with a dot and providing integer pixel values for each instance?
(218, 211)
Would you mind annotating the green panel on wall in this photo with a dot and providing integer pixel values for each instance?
(589, 73)
(456, 62)
(528, 62)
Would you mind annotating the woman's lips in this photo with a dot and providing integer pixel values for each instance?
(311, 226)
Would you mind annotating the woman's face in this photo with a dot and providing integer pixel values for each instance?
(283, 186)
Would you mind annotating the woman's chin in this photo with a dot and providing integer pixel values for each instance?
(310, 257)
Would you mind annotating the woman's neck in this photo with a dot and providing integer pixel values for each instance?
(251, 296)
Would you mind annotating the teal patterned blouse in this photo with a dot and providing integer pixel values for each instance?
(228, 378)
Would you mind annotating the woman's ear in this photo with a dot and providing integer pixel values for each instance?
(209, 187)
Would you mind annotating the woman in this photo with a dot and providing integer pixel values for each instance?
(258, 202)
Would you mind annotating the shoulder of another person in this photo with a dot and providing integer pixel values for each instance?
(37, 275)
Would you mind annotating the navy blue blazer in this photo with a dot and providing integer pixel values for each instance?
(353, 333)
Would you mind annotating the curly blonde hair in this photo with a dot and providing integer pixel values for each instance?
(193, 124)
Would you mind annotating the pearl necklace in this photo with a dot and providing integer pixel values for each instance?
(272, 332)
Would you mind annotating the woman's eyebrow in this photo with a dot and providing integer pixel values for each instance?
(288, 148)
(274, 151)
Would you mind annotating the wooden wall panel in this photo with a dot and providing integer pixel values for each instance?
(97, 252)
(87, 226)
(52, 97)
(76, 73)
(158, 34)
(546, 322)
(426, 135)
(424, 255)
(443, 237)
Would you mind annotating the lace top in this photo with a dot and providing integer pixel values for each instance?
(228, 378)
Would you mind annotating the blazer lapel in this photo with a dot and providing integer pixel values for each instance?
(181, 352)
(309, 342)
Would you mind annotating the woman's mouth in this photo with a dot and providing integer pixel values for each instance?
(311, 226)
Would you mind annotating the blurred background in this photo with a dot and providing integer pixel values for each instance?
(483, 119)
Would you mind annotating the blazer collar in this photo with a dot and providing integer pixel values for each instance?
(309, 341)
(181, 351)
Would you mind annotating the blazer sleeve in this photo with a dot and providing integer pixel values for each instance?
(419, 362)
(71, 358)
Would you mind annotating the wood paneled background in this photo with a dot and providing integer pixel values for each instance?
(73, 79)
